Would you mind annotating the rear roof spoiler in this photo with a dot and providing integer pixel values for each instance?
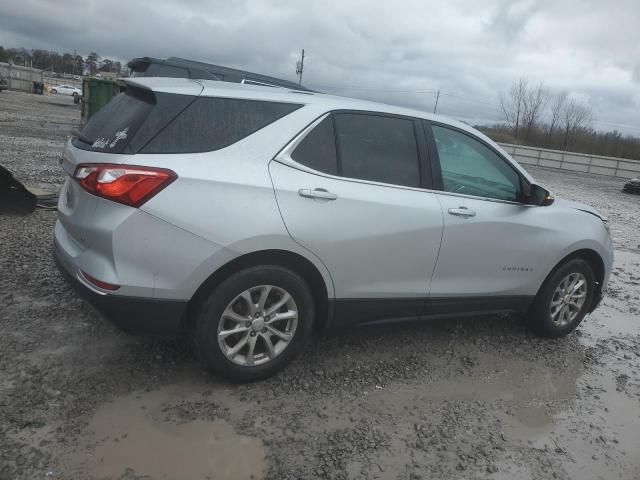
(165, 84)
(184, 68)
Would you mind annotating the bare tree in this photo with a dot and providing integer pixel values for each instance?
(556, 110)
(575, 116)
(513, 104)
(535, 99)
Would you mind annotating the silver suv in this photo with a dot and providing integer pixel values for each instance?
(250, 217)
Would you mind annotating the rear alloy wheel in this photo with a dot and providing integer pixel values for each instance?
(563, 300)
(254, 323)
(257, 325)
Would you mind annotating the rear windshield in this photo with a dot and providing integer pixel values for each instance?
(139, 121)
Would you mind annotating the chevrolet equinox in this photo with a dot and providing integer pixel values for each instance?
(248, 217)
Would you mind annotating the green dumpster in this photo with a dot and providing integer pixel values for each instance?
(96, 93)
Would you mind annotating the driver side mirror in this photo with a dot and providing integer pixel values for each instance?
(539, 196)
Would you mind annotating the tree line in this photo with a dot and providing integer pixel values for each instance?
(538, 117)
(65, 63)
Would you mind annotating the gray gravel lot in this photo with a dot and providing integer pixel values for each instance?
(472, 398)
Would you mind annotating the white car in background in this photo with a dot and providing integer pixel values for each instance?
(66, 90)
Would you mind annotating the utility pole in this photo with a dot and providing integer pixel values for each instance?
(435, 108)
(300, 68)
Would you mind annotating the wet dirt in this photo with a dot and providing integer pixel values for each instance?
(139, 433)
(461, 398)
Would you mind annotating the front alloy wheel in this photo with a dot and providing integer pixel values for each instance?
(563, 299)
(568, 299)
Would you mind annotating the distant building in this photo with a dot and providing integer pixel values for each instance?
(19, 77)
(107, 75)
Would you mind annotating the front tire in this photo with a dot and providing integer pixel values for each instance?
(54, 91)
(563, 299)
(254, 323)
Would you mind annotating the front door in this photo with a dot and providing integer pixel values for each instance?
(492, 244)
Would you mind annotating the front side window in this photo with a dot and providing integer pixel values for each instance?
(378, 148)
(470, 167)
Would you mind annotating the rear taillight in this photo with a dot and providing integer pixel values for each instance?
(129, 185)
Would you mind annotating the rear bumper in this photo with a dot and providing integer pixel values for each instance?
(134, 315)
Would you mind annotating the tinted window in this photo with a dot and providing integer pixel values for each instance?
(378, 148)
(470, 167)
(111, 128)
(318, 149)
(214, 123)
(130, 120)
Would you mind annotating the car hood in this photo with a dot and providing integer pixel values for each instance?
(579, 206)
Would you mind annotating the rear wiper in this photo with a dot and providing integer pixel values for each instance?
(83, 138)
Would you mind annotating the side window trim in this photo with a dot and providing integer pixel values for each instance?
(437, 169)
(336, 145)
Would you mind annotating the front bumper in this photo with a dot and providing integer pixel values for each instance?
(134, 315)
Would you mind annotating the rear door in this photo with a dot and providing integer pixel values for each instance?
(352, 190)
(491, 245)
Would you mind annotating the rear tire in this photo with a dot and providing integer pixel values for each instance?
(54, 91)
(563, 299)
(268, 338)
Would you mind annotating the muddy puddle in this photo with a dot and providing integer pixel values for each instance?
(136, 435)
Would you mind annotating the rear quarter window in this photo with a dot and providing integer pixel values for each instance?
(211, 123)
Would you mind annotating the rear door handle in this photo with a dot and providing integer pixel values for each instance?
(462, 212)
(317, 193)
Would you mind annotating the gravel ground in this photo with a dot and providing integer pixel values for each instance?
(472, 398)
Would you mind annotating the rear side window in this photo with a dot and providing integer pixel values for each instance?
(214, 123)
(318, 149)
(378, 148)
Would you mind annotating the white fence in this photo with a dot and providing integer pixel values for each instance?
(577, 162)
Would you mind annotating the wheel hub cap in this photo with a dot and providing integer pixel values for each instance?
(257, 325)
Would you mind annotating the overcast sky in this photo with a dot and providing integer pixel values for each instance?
(397, 51)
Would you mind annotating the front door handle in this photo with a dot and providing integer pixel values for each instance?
(462, 212)
(317, 193)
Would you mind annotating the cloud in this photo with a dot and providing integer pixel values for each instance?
(397, 52)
